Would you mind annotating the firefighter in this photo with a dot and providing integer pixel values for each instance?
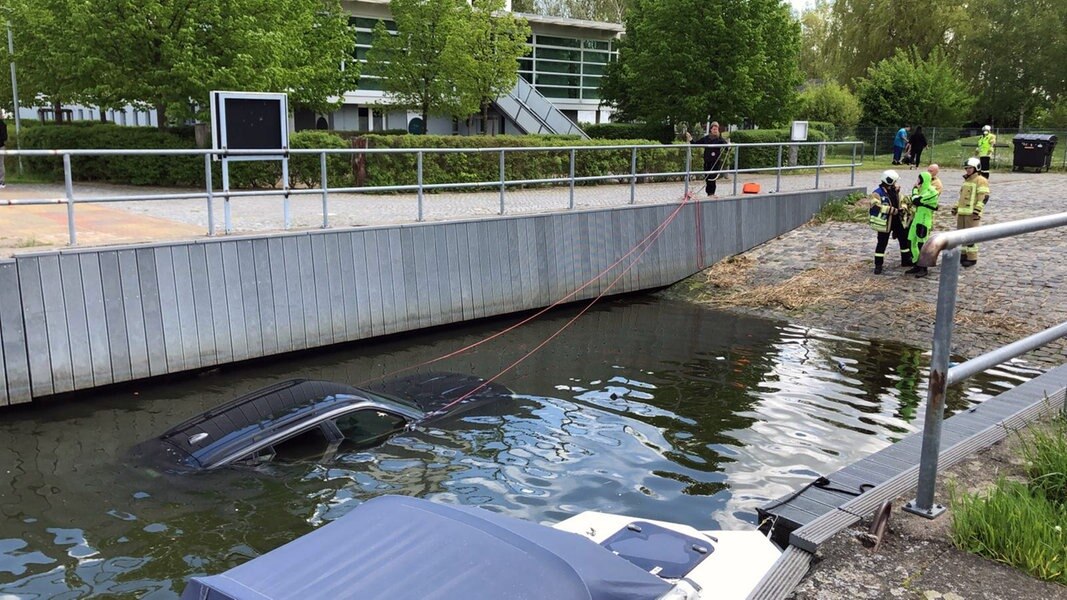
(985, 149)
(924, 199)
(886, 217)
(973, 195)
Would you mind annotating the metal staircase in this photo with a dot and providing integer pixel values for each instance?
(533, 113)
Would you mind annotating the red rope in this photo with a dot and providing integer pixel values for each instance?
(650, 239)
(655, 232)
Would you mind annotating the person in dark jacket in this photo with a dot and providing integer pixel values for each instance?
(714, 146)
(917, 143)
(3, 146)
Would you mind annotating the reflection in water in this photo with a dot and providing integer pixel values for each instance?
(649, 407)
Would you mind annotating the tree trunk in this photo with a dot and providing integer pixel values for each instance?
(425, 120)
(57, 111)
(1022, 112)
(103, 115)
(161, 114)
(485, 117)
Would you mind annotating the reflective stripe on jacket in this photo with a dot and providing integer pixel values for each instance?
(973, 194)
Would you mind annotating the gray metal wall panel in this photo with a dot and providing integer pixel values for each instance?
(460, 264)
(220, 304)
(305, 268)
(96, 319)
(265, 286)
(336, 286)
(362, 281)
(55, 322)
(552, 238)
(133, 311)
(246, 268)
(569, 264)
(392, 278)
(13, 331)
(295, 297)
(348, 285)
(235, 311)
(488, 236)
(168, 304)
(514, 271)
(33, 309)
(544, 255)
(76, 326)
(759, 222)
(435, 260)
(148, 283)
(279, 289)
(374, 282)
(412, 313)
(585, 258)
(187, 318)
(526, 286)
(207, 354)
(474, 257)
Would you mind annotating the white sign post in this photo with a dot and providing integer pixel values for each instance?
(798, 132)
(250, 121)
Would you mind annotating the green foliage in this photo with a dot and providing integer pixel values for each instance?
(680, 61)
(767, 156)
(50, 46)
(824, 127)
(816, 51)
(847, 209)
(1053, 117)
(494, 41)
(471, 167)
(830, 102)
(306, 169)
(629, 131)
(908, 89)
(1046, 457)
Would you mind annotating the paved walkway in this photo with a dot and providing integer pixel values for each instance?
(28, 227)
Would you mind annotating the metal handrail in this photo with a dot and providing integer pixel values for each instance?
(946, 245)
(420, 187)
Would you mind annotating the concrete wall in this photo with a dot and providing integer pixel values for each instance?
(81, 318)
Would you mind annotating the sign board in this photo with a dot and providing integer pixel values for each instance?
(250, 121)
(799, 131)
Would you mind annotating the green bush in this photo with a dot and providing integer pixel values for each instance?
(630, 131)
(767, 156)
(830, 103)
(474, 167)
(306, 169)
(824, 127)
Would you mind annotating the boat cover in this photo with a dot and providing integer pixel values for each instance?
(399, 548)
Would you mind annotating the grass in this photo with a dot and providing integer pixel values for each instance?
(953, 153)
(849, 209)
(1022, 524)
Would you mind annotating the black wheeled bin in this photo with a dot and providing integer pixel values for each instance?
(1033, 150)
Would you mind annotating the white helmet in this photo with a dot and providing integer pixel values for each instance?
(890, 177)
(986, 128)
(973, 163)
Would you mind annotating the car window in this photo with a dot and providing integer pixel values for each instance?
(310, 444)
(368, 426)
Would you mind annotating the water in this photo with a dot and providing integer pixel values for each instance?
(645, 406)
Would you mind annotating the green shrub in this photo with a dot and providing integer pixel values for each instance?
(1046, 458)
(830, 103)
(629, 131)
(767, 156)
(306, 169)
(826, 128)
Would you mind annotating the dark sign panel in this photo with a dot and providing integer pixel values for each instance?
(249, 121)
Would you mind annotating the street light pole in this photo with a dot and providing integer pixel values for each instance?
(15, 93)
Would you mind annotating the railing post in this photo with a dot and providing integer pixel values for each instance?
(737, 162)
(633, 175)
(933, 141)
(874, 151)
(419, 173)
(688, 167)
(818, 161)
(778, 177)
(325, 190)
(285, 191)
(68, 180)
(502, 180)
(571, 203)
(852, 180)
(210, 195)
(923, 504)
(227, 222)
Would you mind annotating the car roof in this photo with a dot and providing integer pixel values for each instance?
(224, 429)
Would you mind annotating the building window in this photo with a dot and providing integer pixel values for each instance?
(567, 68)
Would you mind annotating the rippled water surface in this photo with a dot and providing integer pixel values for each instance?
(645, 406)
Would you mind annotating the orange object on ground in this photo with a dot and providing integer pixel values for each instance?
(750, 188)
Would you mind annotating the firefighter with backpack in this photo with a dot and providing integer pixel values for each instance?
(887, 216)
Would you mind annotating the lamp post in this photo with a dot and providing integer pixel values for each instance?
(15, 93)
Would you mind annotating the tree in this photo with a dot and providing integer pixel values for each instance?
(610, 11)
(682, 60)
(168, 54)
(830, 102)
(816, 52)
(864, 32)
(495, 40)
(907, 89)
(1015, 52)
(420, 63)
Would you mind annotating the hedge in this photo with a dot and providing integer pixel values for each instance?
(767, 156)
(473, 167)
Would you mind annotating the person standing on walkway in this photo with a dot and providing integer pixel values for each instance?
(3, 146)
(924, 199)
(968, 210)
(917, 143)
(900, 141)
(985, 149)
(886, 218)
(714, 145)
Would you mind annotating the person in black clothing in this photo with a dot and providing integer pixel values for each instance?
(3, 146)
(712, 155)
(917, 143)
(887, 216)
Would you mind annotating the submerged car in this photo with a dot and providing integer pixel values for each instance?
(303, 419)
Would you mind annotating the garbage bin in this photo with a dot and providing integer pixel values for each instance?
(1033, 150)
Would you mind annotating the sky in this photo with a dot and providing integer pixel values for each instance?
(800, 5)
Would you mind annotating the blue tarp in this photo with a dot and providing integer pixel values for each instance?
(400, 548)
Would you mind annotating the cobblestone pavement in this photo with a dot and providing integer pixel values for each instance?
(1018, 287)
(24, 228)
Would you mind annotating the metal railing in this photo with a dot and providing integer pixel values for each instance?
(210, 195)
(946, 245)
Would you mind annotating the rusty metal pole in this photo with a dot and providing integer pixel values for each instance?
(923, 504)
